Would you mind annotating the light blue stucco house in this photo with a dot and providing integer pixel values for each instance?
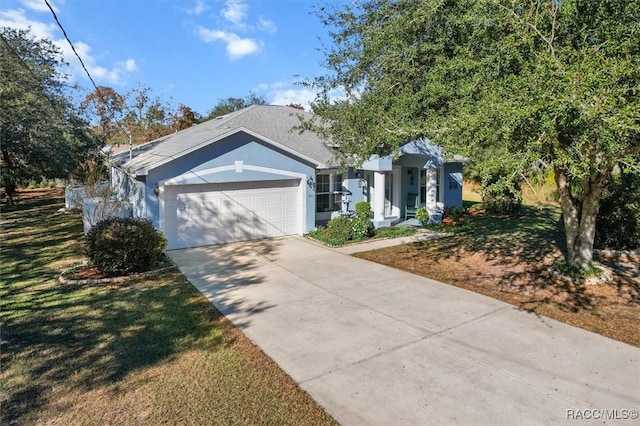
(250, 175)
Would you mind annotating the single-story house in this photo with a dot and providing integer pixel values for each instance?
(250, 174)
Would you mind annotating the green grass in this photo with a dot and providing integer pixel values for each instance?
(532, 235)
(395, 232)
(148, 351)
(577, 272)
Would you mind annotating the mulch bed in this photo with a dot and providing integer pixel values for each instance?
(86, 273)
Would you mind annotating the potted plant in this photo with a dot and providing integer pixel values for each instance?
(422, 215)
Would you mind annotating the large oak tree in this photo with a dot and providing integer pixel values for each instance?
(538, 81)
(41, 134)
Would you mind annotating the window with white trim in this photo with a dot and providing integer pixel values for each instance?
(328, 192)
(423, 186)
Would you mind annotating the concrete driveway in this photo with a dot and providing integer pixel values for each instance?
(378, 346)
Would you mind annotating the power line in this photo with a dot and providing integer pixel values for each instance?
(104, 101)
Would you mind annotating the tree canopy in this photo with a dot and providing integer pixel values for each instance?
(41, 134)
(231, 104)
(538, 81)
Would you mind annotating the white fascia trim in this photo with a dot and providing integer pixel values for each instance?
(185, 177)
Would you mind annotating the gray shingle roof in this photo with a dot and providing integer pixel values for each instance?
(271, 122)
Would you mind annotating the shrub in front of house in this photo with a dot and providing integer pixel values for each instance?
(422, 215)
(338, 231)
(122, 246)
(502, 195)
(361, 226)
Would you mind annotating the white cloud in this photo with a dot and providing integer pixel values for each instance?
(130, 65)
(266, 25)
(262, 87)
(303, 97)
(198, 9)
(39, 5)
(235, 12)
(285, 93)
(16, 18)
(237, 47)
(98, 72)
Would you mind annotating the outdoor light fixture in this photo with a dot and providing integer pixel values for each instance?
(310, 182)
(410, 172)
(156, 189)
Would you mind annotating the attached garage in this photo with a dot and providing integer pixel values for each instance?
(206, 214)
(243, 176)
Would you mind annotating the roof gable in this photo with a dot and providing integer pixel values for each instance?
(271, 124)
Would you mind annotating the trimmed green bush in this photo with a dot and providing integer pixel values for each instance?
(338, 231)
(122, 246)
(422, 215)
(455, 213)
(361, 226)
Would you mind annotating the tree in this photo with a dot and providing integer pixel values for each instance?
(231, 104)
(137, 113)
(147, 118)
(538, 81)
(42, 135)
(108, 107)
(184, 118)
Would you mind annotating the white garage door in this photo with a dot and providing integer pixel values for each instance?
(198, 215)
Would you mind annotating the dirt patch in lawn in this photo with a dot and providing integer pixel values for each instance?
(506, 262)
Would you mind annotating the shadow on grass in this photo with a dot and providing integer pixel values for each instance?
(523, 246)
(78, 337)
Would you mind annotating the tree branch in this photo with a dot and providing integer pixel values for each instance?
(548, 41)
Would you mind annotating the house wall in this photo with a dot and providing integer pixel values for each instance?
(452, 185)
(357, 187)
(225, 153)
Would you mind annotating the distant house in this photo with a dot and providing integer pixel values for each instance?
(248, 175)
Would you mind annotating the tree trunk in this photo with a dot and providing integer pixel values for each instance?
(579, 221)
(8, 180)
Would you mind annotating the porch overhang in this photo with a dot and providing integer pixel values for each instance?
(377, 163)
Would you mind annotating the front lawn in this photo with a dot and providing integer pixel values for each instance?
(149, 351)
(507, 258)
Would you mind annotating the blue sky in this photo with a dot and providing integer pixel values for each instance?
(192, 52)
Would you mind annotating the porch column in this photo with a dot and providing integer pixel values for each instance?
(378, 197)
(432, 181)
